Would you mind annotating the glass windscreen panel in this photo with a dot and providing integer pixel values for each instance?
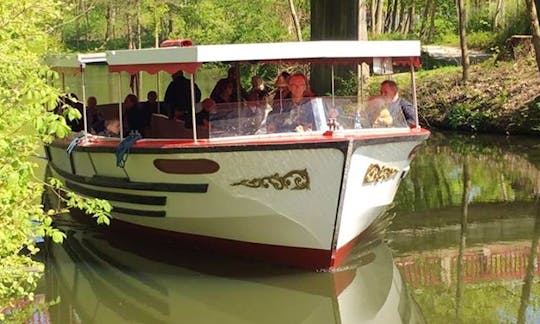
(309, 115)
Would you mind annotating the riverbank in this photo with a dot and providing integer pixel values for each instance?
(501, 97)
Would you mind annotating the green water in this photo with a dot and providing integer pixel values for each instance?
(454, 247)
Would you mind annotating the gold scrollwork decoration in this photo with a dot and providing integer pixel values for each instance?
(292, 180)
(376, 173)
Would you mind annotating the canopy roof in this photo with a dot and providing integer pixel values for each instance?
(189, 59)
(73, 63)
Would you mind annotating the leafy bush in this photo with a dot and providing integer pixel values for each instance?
(480, 20)
(465, 116)
(483, 40)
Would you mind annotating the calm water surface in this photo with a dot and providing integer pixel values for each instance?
(460, 244)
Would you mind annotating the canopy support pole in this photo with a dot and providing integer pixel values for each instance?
(415, 103)
(193, 118)
(158, 91)
(120, 115)
(83, 83)
(333, 88)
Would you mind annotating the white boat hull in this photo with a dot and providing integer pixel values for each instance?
(301, 202)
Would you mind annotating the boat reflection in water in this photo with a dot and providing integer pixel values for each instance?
(101, 279)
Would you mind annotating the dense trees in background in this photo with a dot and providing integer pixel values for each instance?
(100, 24)
(145, 23)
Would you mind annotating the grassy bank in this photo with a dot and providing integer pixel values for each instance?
(501, 97)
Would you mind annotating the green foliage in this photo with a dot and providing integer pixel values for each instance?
(466, 115)
(480, 20)
(204, 21)
(481, 40)
(27, 122)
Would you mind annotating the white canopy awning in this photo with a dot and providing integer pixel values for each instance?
(172, 59)
(73, 63)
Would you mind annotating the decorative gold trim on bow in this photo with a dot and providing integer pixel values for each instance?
(376, 173)
(292, 180)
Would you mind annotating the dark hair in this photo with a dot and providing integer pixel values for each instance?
(222, 85)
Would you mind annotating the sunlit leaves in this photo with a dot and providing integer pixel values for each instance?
(27, 121)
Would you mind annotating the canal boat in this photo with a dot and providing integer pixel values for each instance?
(300, 197)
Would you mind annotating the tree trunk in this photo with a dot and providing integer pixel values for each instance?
(86, 21)
(496, 15)
(157, 23)
(296, 21)
(412, 18)
(139, 37)
(395, 16)
(131, 41)
(109, 22)
(535, 28)
(373, 15)
(433, 12)
(402, 18)
(423, 22)
(363, 69)
(463, 41)
(113, 21)
(388, 16)
(379, 17)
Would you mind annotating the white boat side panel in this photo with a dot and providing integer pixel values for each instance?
(289, 216)
(313, 210)
(83, 164)
(105, 164)
(362, 198)
(60, 158)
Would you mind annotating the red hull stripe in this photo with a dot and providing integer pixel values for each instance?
(307, 258)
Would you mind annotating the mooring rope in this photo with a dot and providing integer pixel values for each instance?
(74, 143)
(122, 151)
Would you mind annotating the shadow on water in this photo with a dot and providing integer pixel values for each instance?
(467, 229)
(104, 279)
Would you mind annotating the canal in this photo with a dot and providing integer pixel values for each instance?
(459, 244)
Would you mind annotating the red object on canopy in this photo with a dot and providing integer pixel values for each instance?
(176, 42)
(171, 68)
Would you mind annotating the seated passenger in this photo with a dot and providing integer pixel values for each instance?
(94, 117)
(225, 109)
(203, 117)
(398, 107)
(111, 129)
(138, 119)
(233, 79)
(258, 89)
(281, 91)
(151, 103)
(297, 112)
(378, 113)
(253, 114)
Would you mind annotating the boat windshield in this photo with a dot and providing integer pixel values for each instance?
(318, 114)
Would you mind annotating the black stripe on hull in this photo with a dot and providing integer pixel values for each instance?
(110, 182)
(115, 196)
(138, 212)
